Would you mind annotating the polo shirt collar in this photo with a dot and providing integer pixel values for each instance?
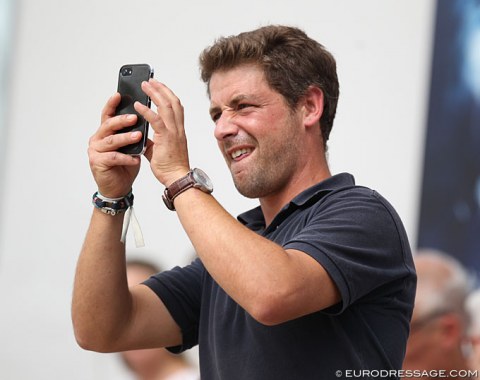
(254, 218)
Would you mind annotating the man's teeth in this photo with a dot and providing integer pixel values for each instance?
(239, 152)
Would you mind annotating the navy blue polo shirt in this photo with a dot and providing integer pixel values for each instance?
(357, 236)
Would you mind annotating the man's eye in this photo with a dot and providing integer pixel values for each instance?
(216, 116)
(242, 106)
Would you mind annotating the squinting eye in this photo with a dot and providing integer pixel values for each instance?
(243, 105)
(216, 116)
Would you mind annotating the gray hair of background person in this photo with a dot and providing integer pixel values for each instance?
(444, 291)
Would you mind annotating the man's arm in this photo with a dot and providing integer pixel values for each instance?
(107, 315)
(273, 284)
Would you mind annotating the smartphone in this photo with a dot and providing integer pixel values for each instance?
(130, 78)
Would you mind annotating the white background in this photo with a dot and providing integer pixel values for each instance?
(66, 55)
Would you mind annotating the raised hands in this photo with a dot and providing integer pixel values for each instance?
(167, 151)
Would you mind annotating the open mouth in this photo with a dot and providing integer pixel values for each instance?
(238, 154)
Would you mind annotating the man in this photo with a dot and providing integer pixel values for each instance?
(439, 322)
(318, 279)
(154, 363)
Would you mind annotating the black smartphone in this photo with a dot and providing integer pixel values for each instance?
(130, 78)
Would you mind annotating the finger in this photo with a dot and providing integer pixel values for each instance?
(114, 124)
(151, 116)
(110, 107)
(168, 105)
(114, 142)
(112, 159)
(163, 88)
(173, 99)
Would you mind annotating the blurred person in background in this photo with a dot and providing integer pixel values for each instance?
(154, 363)
(473, 308)
(440, 321)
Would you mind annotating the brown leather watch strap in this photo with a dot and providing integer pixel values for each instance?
(176, 188)
(195, 178)
(179, 186)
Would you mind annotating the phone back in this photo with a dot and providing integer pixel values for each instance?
(129, 86)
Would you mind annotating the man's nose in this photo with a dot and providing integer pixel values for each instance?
(225, 126)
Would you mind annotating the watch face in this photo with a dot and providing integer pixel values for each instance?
(202, 179)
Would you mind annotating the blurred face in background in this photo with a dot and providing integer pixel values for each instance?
(437, 330)
(428, 342)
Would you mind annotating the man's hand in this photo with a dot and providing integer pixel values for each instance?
(167, 151)
(113, 171)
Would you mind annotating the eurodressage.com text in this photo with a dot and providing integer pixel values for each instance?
(463, 373)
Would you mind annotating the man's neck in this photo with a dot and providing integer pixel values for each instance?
(273, 203)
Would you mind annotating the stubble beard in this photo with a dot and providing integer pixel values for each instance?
(272, 171)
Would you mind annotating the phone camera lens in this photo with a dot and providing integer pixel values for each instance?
(127, 71)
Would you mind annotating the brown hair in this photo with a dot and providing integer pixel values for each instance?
(291, 61)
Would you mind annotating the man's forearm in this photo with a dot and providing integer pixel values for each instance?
(101, 300)
(251, 269)
(273, 284)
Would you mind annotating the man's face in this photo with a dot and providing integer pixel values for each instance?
(424, 346)
(435, 342)
(258, 134)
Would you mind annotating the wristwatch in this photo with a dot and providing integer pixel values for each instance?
(195, 178)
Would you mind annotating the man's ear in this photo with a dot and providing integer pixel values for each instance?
(451, 327)
(313, 106)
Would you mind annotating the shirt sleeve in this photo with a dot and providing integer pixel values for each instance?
(360, 241)
(180, 290)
